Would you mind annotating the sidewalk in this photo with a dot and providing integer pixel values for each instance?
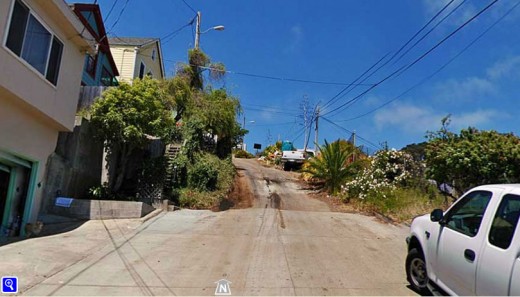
(35, 259)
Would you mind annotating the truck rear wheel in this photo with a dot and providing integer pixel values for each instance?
(416, 272)
(285, 166)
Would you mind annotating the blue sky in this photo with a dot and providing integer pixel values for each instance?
(336, 41)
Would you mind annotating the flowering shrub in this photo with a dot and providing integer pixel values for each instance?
(387, 170)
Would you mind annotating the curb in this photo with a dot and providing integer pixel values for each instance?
(151, 215)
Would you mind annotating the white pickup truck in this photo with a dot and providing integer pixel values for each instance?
(471, 249)
(291, 157)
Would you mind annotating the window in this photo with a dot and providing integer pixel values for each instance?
(505, 222)
(90, 66)
(31, 41)
(466, 216)
(149, 74)
(153, 55)
(141, 71)
(106, 77)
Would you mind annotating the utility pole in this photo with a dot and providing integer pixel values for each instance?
(316, 130)
(354, 145)
(244, 137)
(197, 30)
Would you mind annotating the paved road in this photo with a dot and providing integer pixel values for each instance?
(286, 244)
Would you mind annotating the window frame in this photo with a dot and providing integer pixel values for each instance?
(92, 73)
(46, 27)
(143, 65)
(496, 214)
(457, 206)
(105, 70)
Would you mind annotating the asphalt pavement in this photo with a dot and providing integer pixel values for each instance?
(286, 244)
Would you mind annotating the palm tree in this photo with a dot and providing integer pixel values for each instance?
(331, 165)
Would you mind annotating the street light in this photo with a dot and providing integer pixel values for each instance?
(197, 35)
(244, 137)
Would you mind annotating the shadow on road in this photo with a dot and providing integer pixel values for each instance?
(427, 293)
(52, 226)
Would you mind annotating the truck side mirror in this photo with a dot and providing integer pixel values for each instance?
(436, 215)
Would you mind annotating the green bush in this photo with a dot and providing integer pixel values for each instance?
(209, 180)
(243, 154)
(203, 175)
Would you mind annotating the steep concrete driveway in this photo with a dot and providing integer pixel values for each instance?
(287, 244)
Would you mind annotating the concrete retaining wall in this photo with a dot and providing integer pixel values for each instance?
(102, 209)
(75, 166)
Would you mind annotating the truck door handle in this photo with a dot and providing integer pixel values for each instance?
(469, 254)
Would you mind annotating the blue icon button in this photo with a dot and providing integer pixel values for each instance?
(9, 284)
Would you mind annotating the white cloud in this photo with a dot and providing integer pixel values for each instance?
(475, 88)
(462, 14)
(295, 40)
(467, 89)
(474, 119)
(417, 119)
(408, 118)
(507, 68)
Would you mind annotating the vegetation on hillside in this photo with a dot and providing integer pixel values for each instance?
(183, 110)
(406, 183)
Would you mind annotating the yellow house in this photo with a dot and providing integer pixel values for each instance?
(42, 51)
(137, 57)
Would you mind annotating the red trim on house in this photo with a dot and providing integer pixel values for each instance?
(101, 39)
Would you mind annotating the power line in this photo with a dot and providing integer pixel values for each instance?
(269, 107)
(430, 31)
(189, 6)
(350, 132)
(119, 16)
(270, 110)
(334, 99)
(284, 78)
(174, 33)
(404, 68)
(420, 30)
(439, 69)
(110, 11)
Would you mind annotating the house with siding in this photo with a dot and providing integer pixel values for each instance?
(100, 68)
(42, 54)
(137, 57)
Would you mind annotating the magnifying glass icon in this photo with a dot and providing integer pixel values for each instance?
(9, 283)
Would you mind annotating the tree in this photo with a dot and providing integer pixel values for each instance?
(198, 63)
(331, 165)
(217, 111)
(472, 158)
(125, 117)
(179, 90)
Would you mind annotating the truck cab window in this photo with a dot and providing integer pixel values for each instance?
(465, 217)
(505, 222)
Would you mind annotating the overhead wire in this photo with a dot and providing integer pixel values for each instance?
(405, 67)
(439, 69)
(119, 16)
(189, 6)
(423, 27)
(332, 100)
(429, 31)
(110, 11)
(344, 92)
(168, 37)
(351, 132)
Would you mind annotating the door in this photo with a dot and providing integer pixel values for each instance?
(4, 187)
(460, 241)
(499, 254)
